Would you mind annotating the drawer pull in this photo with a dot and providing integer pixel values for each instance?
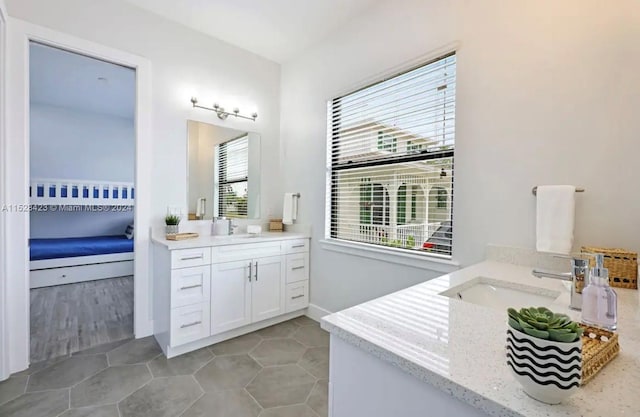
(297, 267)
(191, 258)
(298, 246)
(188, 287)
(297, 296)
(195, 323)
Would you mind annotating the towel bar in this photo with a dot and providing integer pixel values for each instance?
(534, 190)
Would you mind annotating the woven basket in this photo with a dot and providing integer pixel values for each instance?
(622, 265)
(596, 353)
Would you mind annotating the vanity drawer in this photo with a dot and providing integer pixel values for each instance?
(297, 296)
(297, 267)
(190, 285)
(185, 258)
(296, 246)
(190, 323)
(230, 253)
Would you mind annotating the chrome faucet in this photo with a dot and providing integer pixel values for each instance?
(578, 276)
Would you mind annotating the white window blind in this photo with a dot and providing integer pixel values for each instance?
(232, 170)
(391, 150)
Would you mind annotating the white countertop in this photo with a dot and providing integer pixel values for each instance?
(208, 240)
(459, 347)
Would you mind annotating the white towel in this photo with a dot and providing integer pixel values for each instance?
(289, 208)
(555, 218)
(201, 207)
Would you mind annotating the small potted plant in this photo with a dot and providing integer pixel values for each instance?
(544, 353)
(172, 221)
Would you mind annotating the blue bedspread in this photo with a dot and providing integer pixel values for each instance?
(78, 246)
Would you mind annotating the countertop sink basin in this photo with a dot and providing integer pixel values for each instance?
(237, 236)
(500, 294)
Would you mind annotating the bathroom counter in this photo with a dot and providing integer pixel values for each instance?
(457, 348)
(208, 240)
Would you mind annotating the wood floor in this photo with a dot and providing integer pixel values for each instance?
(70, 318)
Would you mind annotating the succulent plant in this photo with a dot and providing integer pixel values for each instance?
(172, 220)
(543, 323)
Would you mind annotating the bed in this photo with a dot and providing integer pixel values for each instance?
(69, 260)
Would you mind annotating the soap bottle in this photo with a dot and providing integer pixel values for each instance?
(599, 300)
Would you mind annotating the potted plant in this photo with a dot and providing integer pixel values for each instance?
(172, 221)
(544, 353)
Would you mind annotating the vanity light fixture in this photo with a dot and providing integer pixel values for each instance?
(222, 114)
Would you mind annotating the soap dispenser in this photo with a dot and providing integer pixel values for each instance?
(599, 300)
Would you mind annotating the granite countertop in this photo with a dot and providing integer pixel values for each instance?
(459, 346)
(238, 239)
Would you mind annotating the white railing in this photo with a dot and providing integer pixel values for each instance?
(80, 192)
(405, 236)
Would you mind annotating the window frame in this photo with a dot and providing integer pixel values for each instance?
(415, 152)
(221, 184)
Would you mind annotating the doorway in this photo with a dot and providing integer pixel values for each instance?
(17, 181)
(82, 199)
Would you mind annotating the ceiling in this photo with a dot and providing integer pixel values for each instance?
(73, 81)
(275, 29)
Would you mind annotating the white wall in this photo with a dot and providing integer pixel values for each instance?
(184, 64)
(71, 144)
(46, 225)
(4, 344)
(547, 93)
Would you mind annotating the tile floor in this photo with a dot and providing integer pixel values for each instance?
(280, 371)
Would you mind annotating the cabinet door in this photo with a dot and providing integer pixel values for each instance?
(267, 292)
(230, 295)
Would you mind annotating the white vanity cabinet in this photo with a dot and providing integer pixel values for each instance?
(247, 291)
(206, 294)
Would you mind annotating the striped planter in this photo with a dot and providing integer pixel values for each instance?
(548, 371)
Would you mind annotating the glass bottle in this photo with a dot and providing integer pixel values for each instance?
(599, 300)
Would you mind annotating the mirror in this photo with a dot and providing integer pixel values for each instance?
(223, 174)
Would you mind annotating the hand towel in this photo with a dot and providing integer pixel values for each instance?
(555, 218)
(289, 208)
(200, 207)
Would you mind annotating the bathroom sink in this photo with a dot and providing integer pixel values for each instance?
(237, 236)
(501, 295)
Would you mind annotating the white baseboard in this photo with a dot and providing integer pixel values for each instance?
(315, 312)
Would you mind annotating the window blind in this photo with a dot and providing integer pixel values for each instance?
(391, 150)
(232, 170)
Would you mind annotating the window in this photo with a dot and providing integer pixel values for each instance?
(232, 170)
(391, 149)
(387, 142)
